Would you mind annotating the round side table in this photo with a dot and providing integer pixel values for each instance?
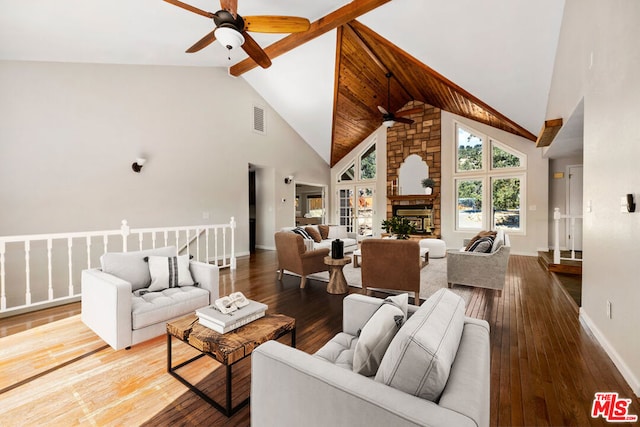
(337, 283)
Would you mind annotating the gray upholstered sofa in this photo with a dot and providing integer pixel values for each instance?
(121, 307)
(292, 388)
(479, 269)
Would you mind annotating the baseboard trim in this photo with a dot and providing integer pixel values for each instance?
(631, 379)
(268, 248)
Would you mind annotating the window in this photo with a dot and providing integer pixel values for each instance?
(468, 150)
(505, 194)
(368, 163)
(497, 185)
(469, 210)
(502, 157)
(314, 206)
(349, 174)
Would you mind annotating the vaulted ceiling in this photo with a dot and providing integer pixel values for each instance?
(365, 62)
(491, 61)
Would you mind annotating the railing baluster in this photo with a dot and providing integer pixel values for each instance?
(177, 240)
(27, 249)
(88, 252)
(187, 242)
(105, 239)
(166, 238)
(3, 295)
(224, 247)
(140, 238)
(153, 240)
(198, 244)
(233, 242)
(215, 248)
(50, 267)
(206, 246)
(70, 254)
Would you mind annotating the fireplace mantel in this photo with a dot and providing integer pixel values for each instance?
(414, 198)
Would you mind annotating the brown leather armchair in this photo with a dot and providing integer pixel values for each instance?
(293, 257)
(391, 264)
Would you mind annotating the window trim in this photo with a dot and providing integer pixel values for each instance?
(487, 174)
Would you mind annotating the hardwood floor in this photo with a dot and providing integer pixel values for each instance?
(545, 365)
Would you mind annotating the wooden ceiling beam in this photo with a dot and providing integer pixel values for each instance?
(323, 25)
(548, 132)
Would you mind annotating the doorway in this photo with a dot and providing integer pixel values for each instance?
(355, 209)
(310, 206)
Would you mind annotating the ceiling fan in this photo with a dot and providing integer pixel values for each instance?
(232, 29)
(388, 118)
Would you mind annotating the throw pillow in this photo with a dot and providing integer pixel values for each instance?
(324, 231)
(419, 358)
(301, 232)
(169, 272)
(483, 244)
(478, 236)
(314, 233)
(130, 266)
(337, 232)
(377, 333)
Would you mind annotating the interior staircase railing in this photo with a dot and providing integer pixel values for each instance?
(44, 269)
(557, 217)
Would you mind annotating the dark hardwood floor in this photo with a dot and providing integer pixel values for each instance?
(545, 364)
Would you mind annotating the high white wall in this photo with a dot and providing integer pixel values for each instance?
(70, 132)
(598, 59)
(536, 194)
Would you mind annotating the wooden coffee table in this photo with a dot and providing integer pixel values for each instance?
(337, 282)
(227, 349)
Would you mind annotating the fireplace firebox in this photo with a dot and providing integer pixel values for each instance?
(419, 215)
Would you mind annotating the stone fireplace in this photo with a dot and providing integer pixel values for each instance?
(423, 138)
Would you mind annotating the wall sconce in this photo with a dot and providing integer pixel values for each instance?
(137, 165)
(288, 179)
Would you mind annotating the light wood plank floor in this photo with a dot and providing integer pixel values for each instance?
(545, 365)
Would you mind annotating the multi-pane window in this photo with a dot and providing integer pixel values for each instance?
(368, 163)
(349, 174)
(486, 170)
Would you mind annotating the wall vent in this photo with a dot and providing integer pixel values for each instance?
(259, 122)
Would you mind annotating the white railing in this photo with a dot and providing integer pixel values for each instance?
(62, 256)
(557, 216)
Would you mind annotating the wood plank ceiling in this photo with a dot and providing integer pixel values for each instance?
(363, 58)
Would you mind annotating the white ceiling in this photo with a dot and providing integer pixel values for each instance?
(501, 51)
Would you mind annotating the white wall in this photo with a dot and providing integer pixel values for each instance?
(598, 59)
(70, 132)
(536, 194)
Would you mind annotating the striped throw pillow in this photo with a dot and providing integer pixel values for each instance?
(169, 272)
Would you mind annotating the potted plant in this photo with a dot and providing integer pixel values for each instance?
(398, 227)
(428, 185)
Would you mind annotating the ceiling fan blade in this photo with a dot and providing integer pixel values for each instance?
(403, 120)
(203, 42)
(408, 112)
(230, 6)
(190, 8)
(275, 24)
(382, 110)
(254, 50)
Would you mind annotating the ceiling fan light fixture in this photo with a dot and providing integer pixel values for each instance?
(389, 123)
(229, 38)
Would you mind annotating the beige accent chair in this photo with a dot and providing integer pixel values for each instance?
(482, 270)
(391, 264)
(293, 256)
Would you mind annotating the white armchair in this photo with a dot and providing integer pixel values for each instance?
(117, 307)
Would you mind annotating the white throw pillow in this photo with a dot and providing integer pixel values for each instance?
(169, 272)
(337, 232)
(131, 266)
(419, 358)
(377, 333)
